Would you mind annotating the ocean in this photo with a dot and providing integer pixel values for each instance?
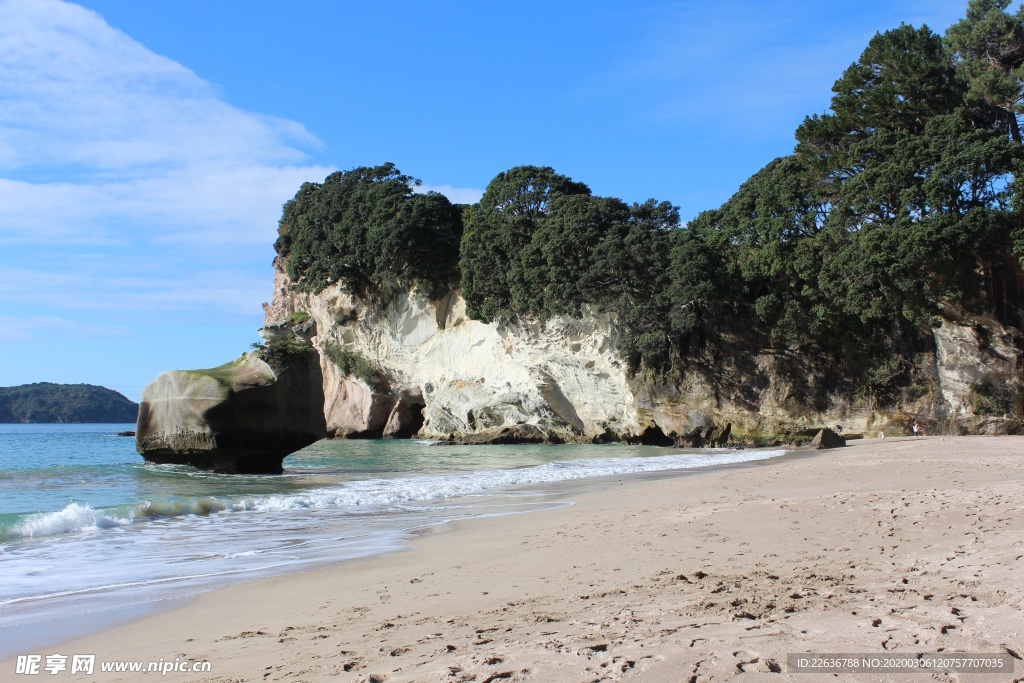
(90, 534)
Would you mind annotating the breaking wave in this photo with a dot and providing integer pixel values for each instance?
(74, 517)
(376, 493)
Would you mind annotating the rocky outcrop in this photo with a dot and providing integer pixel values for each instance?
(978, 367)
(565, 377)
(242, 417)
(419, 367)
(516, 434)
(452, 376)
(826, 438)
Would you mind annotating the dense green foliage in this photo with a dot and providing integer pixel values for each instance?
(80, 403)
(297, 319)
(899, 205)
(368, 230)
(277, 351)
(540, 244)
(987, 399)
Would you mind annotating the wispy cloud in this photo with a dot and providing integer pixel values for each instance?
(78, 92)
(201, 205)
(112, 287)
(18, 329)
(110, 151)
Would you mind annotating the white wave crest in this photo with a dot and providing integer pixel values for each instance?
(382, 492)
(73, 517)
(426, 488)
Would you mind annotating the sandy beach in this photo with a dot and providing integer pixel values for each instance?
(902, 546)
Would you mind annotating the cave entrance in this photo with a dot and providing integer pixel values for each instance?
(653, 436)
(416, 419)
(406, 419)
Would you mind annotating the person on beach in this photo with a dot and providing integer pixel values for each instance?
(917, 428)
(839, 429)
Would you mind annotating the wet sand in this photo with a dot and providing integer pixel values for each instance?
(902, 546)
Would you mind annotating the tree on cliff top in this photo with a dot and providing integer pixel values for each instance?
(989, 44)
(498, 227)
(899, 204)
(367, 229)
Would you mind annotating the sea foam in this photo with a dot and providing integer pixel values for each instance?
(434, 487)
(364, 495)
(73, 517)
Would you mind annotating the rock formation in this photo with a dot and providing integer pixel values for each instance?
(826, 438)
(242, 417)
(419, 367)
(565, 377)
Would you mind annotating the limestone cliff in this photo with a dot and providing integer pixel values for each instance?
(459, 376)
(444, 375)
(417, 367)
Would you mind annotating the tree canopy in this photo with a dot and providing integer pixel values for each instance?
(368, 230)
(900, 204)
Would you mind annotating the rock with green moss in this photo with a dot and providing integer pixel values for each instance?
(241, 417)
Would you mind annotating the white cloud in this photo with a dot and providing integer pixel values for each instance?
(111, 154)
(128, 135)
(78, 92)
(17, 329)
(203, 206)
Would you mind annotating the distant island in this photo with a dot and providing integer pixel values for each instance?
(49, 402)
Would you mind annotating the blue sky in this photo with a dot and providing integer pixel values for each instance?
(146, 147)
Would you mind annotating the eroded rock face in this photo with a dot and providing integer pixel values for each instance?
(452, 376)
(516, 434)
(406, 418)
(243, 417)
(351, 409)
(977, 354)
(565, 377)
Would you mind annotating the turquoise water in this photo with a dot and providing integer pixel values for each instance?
(87, 526)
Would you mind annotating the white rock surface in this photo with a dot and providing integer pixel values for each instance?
(975, 353)
(562, 375)
(565, 376)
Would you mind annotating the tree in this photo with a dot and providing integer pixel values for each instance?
(901, 80)
(498, 229)
(898, 127)
(526, 191)
(989, 43)
(368, 230)
(765, 234)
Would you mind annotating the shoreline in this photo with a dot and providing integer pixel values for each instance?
(659, 578)
(48, 632)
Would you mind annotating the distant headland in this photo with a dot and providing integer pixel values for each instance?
(49, 402)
